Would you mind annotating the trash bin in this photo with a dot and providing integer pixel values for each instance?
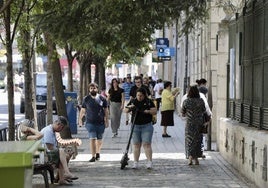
(16, 163)
(71, 108)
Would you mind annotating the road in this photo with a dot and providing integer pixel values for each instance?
(4, 108)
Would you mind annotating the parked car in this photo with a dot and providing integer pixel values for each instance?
(41, 93)
(2, 78)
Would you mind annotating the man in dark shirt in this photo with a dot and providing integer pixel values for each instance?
(138, 84)
(95, 108)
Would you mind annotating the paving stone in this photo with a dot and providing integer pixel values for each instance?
(170, 168)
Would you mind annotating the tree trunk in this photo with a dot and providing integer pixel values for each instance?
(70, 58)
(58, 85)
(81, 93)
(101, 76)
(28, 77)
(49, 103)
(100, 72)
(9, 70)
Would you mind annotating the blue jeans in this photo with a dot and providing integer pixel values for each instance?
(95, 131)
(143, 134)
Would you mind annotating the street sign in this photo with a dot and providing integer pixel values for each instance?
(162, 42)
(164, 58)
(165, 52)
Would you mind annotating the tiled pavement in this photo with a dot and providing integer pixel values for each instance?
(170, 167)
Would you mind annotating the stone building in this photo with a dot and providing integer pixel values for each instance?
(230, 50)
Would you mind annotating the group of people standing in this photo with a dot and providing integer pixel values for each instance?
(136, 100)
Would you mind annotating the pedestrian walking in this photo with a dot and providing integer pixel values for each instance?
(167, 108)
(208, 111)
(95, 109)
(127, 85)
(146, 82)
(193, 109)
(138, 84)
(116, 99)
(202, 85)
(158, 89)
(142, 109)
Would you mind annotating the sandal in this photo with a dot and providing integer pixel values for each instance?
(70, 177)
(69, 180)
(64, 182)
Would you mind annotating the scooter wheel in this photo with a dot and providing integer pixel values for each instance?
(123, 166)
(124, 161)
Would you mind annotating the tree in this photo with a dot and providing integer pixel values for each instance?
(25, 46)
(100, 27)
(120, 29)
(11, 16)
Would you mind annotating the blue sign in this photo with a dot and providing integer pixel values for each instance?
(162, 42)
(161, 52)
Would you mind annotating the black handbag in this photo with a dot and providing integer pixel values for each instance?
(204, 129)
(206, 120)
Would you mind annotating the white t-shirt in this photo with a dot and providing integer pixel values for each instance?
(157, 88)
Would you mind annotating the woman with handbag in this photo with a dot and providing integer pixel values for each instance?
(193, 109)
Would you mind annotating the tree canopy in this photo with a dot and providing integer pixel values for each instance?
(120, 28)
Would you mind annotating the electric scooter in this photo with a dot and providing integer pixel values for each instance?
(125, 158)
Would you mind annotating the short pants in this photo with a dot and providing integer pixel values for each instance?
(95, 131)
(143, 134)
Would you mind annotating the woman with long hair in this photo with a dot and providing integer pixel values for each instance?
(193, 108)
(116, 98)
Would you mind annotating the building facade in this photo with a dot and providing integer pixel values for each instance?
(230, 51)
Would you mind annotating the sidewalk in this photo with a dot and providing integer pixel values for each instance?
(170, 167)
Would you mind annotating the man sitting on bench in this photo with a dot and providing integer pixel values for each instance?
(60, 157)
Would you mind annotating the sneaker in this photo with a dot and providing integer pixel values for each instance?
(126, 122)
(149, 165)
(135, 165)
(97, 156)
(93, 159)
(166, 135)
(114, 135)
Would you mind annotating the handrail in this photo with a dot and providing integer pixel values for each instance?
(3, 133)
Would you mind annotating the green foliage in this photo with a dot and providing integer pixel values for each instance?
(120, 28)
